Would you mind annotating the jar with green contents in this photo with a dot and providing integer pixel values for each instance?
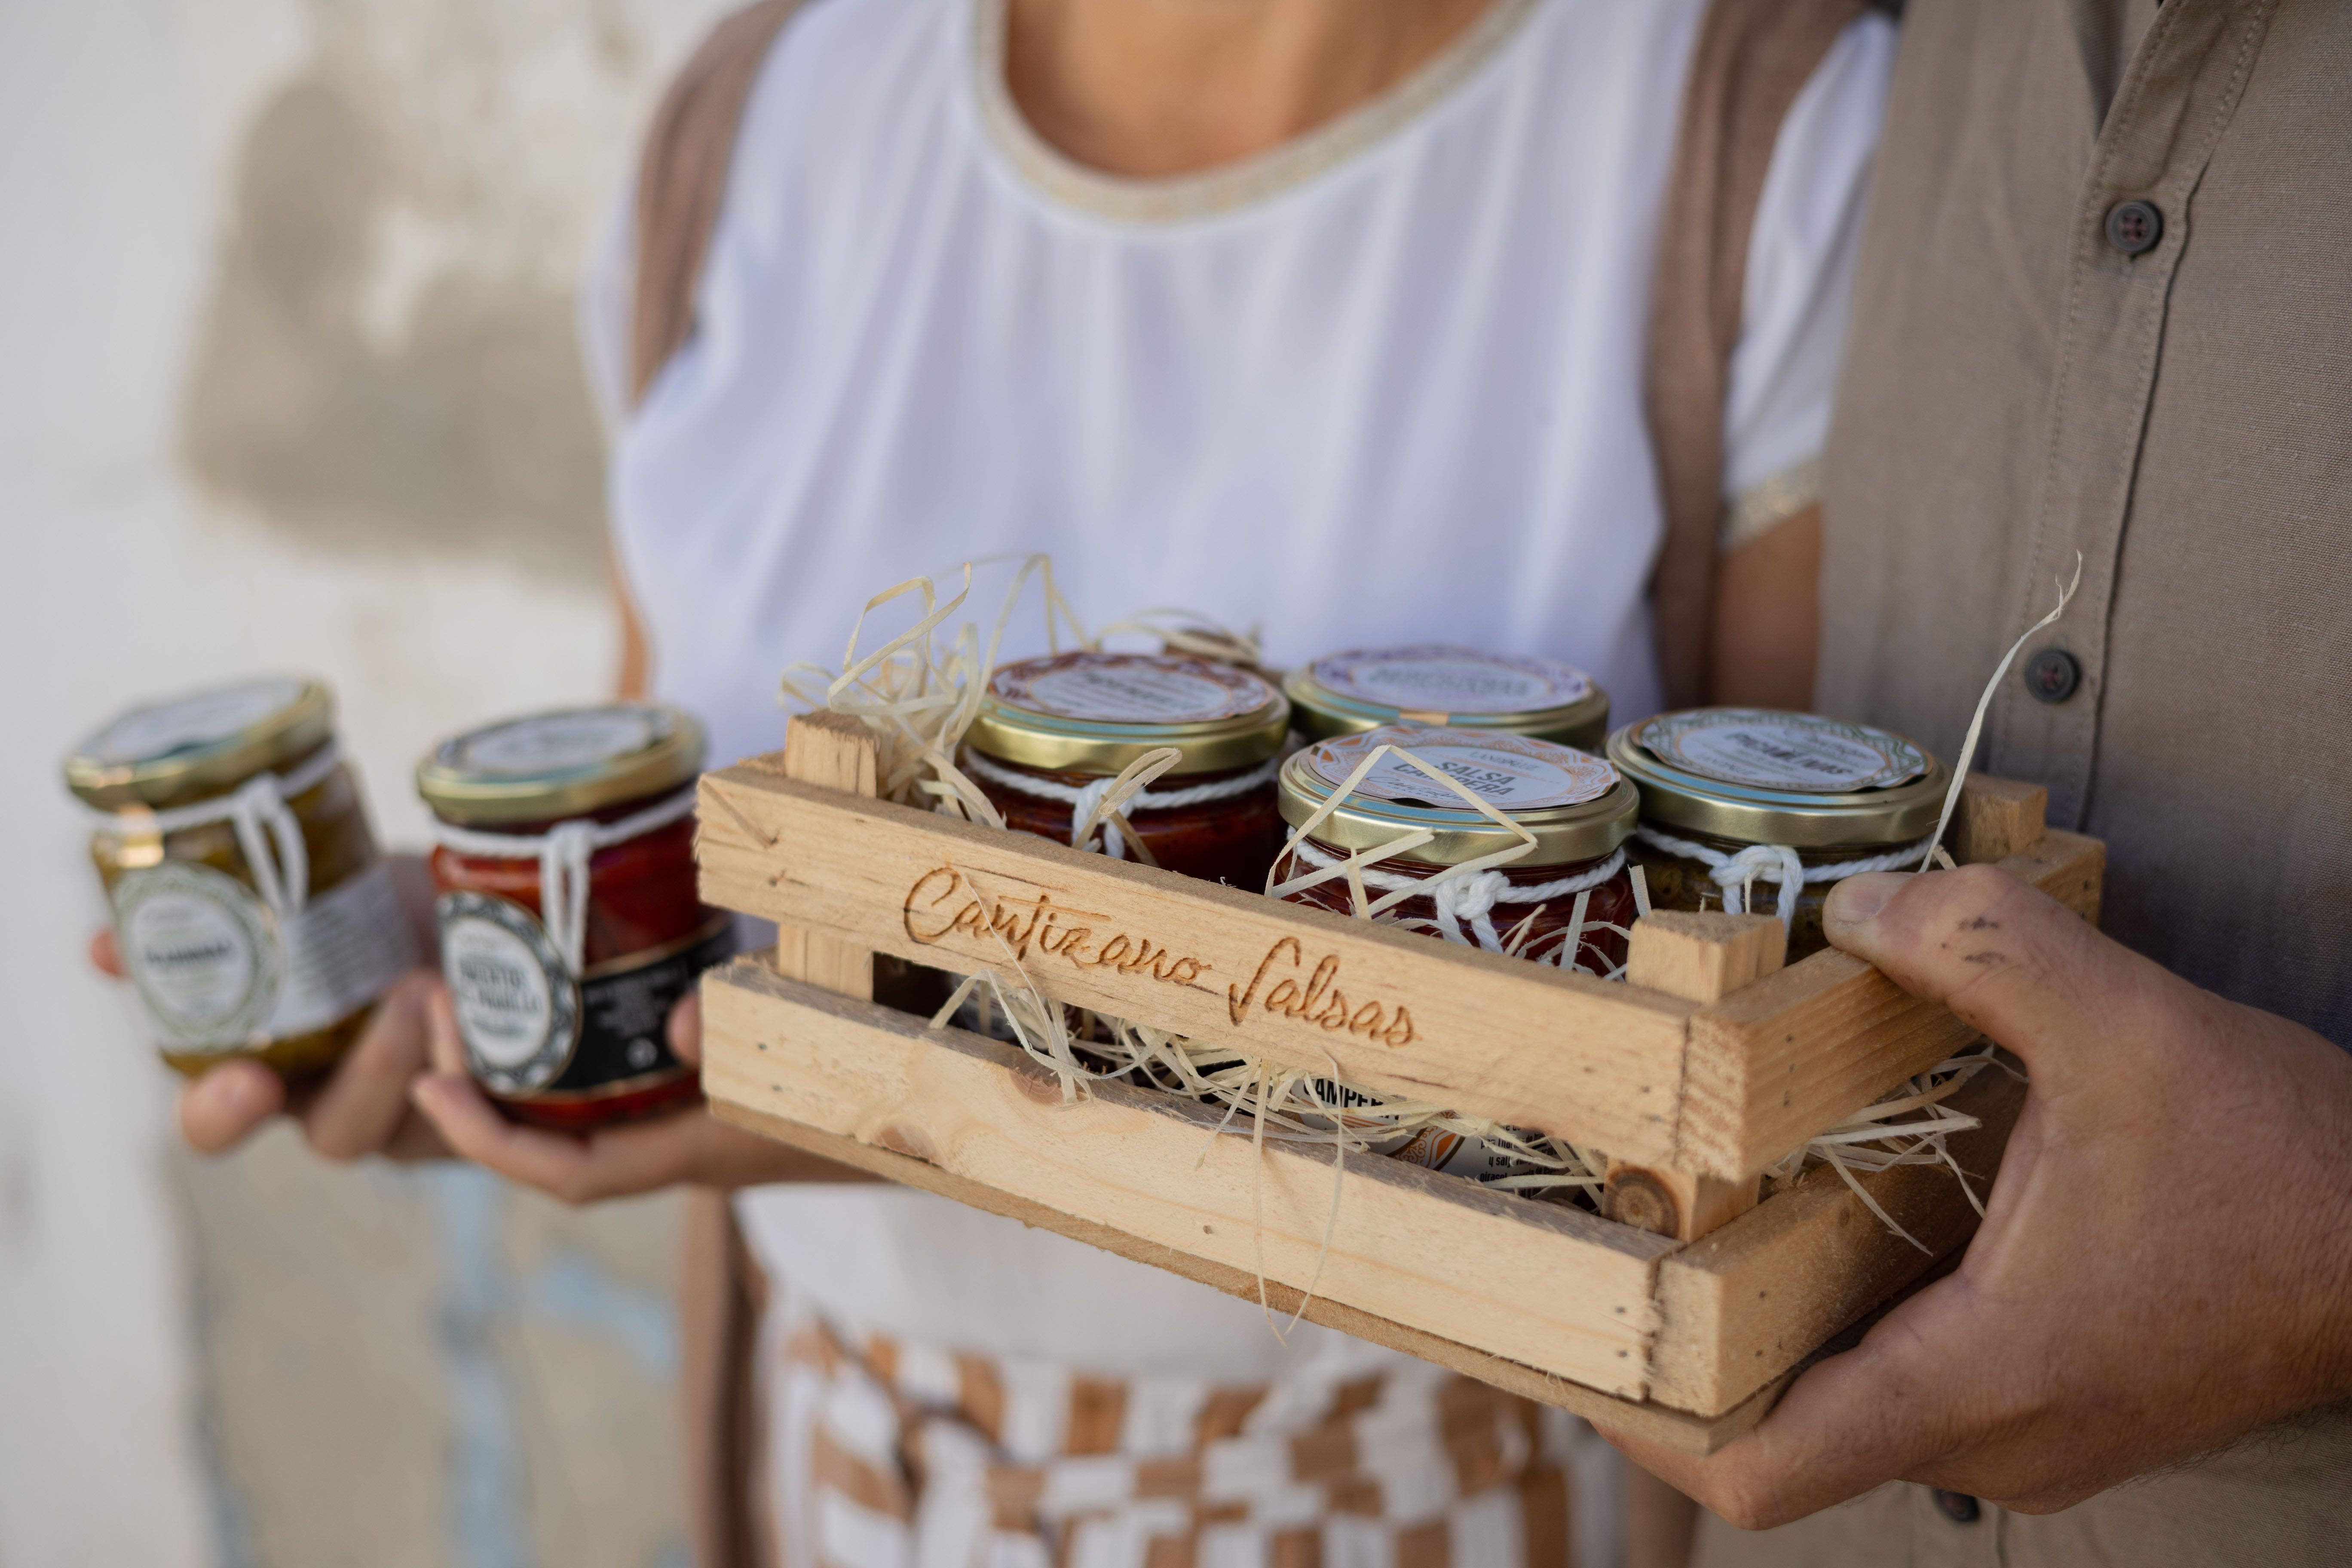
(1452, 688)
(1756, 809)
(251, 907)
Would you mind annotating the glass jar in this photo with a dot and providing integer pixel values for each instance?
(1756, 809)
(251, 907)
(1052, 733)
(1452, 688)
(1568, 903)
(570, 921)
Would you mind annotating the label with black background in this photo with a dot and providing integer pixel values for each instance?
(530, 1029)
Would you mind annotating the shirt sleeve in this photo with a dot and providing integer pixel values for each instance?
(606, 284)
(1800, 284)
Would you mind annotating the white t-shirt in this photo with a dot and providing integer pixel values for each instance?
(1381, 384)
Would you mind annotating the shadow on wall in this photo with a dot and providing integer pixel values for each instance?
(472, 433)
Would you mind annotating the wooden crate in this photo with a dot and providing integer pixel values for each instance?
(1709, 1064)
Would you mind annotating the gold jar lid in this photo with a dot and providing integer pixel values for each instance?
(190, 748)
(567, 763)
(1090, 712)
(1572, 802)
(1455, 688)
(1760, 775)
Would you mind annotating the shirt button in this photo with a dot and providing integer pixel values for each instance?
(1959, 1507)
(2054, 675)
(2134, 226)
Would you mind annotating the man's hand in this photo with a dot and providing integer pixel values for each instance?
(686, 1147)
(2167, 1258)
(360, 1106)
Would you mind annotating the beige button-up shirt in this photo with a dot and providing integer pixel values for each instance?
(2167, 389)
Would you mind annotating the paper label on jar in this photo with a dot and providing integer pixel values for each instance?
(190, 723)
(344, 947)
(218, 971)
(529, 1027)
(203, 951)
(1435, 677)
(1773, 750)
(558, 742)
(1131, 689)
(517, 1004)
(1510, 772)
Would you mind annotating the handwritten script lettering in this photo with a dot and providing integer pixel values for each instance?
(943, 906)
(1317, 1000)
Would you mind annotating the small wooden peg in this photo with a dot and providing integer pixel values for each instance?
(1996, 818)
(1701, 956)
(1674, 1202)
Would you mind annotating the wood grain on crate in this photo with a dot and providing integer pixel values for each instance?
(1719, 1089)
(1768, 1060)
(1558, 1288)
(1740, 1306)
(1497, 1036)
(1685, 1344)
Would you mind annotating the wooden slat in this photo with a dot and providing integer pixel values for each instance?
(1553, 1288)
(836, 751)
(1777, 1061)
(1677, 1429)
(1495, 1037)
(1744, 1304)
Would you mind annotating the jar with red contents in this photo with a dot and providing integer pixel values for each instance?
(1053, 734)
(1567, 902)
(569, 919)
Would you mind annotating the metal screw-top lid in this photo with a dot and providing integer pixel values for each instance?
(568, 763)
(1443, 685)
(1760, 775)
(1574, 804)
(1092, 712)
(205, 743)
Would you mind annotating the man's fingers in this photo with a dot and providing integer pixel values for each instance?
(2001, 956)
(220, 1110)
(359, 1108)
(104, 955)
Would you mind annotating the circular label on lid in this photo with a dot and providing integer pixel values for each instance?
(1772, 750)
(1131, 689)
(203, 951)
(548, 743)
(517, 1002)
(1437, 678)
(190, 723)
(1510, 772)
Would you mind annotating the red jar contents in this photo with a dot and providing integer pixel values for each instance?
(1567, 902)
(1053, 733)
(570, 923)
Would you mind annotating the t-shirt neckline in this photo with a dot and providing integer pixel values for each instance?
(1054, 175)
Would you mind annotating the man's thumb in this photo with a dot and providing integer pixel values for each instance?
(2001, 956)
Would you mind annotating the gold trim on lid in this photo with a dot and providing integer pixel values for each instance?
(1583, 830)
(1867, 786)
(1326, 700)
(205, 743)
(566, 762)
(1093, 713)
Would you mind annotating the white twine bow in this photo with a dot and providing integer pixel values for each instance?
(1737, 874)
(268, 834)
(1108, 803)
(1473, 900)
(565, 852)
